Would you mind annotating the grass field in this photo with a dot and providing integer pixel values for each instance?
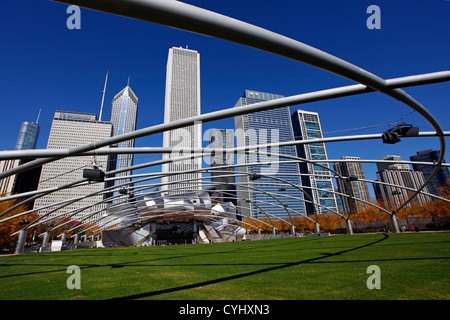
(412, 266)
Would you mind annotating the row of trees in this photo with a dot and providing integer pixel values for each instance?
(11, 226)
(370, 218)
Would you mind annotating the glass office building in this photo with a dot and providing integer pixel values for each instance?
(123, 118)
(266, 194)
(442, 179)
(315, 178)
(28, 136)
(28, 180)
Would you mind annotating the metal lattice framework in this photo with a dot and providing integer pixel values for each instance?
(190, 18)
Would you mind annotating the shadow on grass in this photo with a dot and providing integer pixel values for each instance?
(246, 274)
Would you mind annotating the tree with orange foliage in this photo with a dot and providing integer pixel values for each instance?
(371, 215)
(438, 208)
(329, 222)
(303, 224)
(408, 212)
(9, 227)
(262, 224)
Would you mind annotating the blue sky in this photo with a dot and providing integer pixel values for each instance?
(44, 65)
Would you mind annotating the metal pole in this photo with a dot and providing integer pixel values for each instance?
(21, 241)
(76, 239)
(394, 223)
(349, 226)
(316, 228)
(45, 240)
(63, 238)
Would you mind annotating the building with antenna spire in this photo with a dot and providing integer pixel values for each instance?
(123, 118)
(28, 134)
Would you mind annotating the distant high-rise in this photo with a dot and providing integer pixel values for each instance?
(72, 129)
(123, 119)
(392, 166)
(7, 184)
(182, 101)
(225, 186)
(25, 181)
(28, 136)
(442, 179)
(316, 179)
(359, 188)
(392, 196)
(264, 127)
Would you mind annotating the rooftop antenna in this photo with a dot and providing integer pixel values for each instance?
(103, 97)
(39, 114)
(128, 83)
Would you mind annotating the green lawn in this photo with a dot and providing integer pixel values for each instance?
(413, 266)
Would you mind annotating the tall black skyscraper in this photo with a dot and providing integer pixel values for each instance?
(441, 179)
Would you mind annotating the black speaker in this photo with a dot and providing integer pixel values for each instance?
(94, 174)
(408, 131)
(390, 137)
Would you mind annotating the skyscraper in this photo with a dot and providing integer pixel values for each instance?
(359, 188)
(28, 180)
(28, 136)
(182, 101)
(264, 127)
(221, 138)
(123, 119)
(7, 184)
(71, 129)
(442, 179)
(393, 196)
(316, 179)
(392, 166)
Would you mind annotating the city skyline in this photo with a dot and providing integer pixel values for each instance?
(75, 75)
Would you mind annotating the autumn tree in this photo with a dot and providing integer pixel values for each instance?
(329, 222)
(371, 215)
(438, 208)
(11, 226)
(408, 212)
(303, 224)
